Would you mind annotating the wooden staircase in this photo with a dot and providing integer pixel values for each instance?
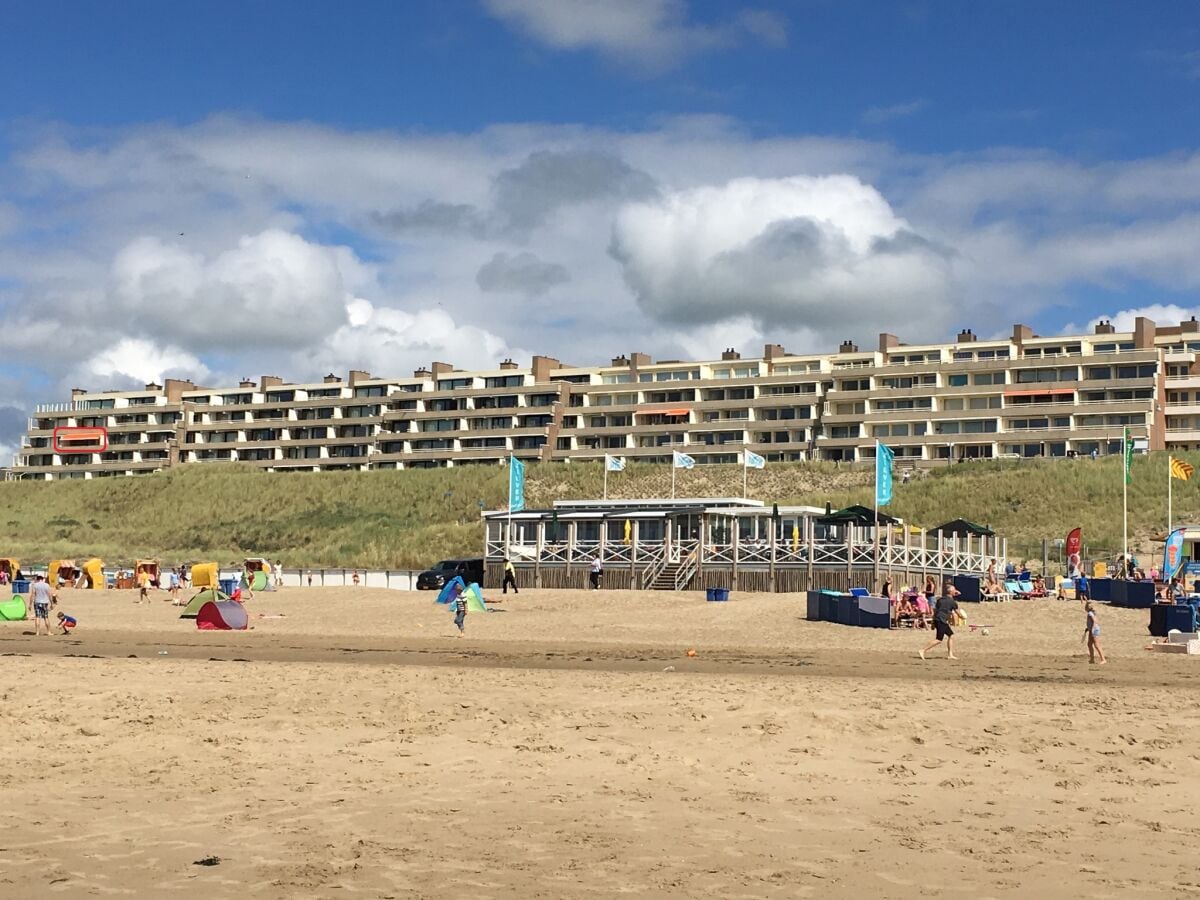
(673, 576)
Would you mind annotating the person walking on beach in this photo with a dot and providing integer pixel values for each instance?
(143, 586)
(1082, 588)
(597, 573)
(41, 598)
(510, 577)
(278, 574)
(460, 611)
(1091, 633)
(173, 581)
(943, 615)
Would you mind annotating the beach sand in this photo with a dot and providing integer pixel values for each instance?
(356, 747)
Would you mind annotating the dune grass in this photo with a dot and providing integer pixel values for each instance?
(407, 519)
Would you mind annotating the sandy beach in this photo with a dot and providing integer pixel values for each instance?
(568, 747)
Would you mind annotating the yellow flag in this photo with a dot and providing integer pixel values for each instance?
(1181, 470)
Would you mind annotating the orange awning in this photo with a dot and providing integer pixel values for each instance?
(1040, 393)
(677, 411)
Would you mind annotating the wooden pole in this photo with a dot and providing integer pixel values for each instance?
(537, 560)
(810, 527)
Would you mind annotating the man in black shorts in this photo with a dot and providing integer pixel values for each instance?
(943, 614)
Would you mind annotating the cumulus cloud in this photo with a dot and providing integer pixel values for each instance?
(520, 273)
(384, 340)
(239, 297)
(525, 196)
(814, 253)
(142, 361)
(654, 33)
(1159, 313)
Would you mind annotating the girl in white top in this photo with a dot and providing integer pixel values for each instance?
(1091, 634)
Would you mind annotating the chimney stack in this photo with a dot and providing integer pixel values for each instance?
(887, 342)
(1021, 334)
(637, 360)
(246, 383)
(1105, 326)
(730, 354)
(772, 351)
(508, 365)
(422, 373)
(848, 347)
(270, 381)
(441, 368)
(332, 379)
(1190, 325)
(357, 375)
(151, 386)
(621, 360)
(542, 367)
(966, 336)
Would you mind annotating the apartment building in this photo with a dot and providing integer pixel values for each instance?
(1020, 396)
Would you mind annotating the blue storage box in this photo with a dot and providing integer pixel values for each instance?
(968, 587)
(829, 606)
(1132, 594)
(718, 595)
(847, 609)
(1100, 589)
(874, 612)
(228, 585)
(813, 612)
(21, 587)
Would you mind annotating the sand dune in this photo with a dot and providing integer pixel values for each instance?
(363, 750)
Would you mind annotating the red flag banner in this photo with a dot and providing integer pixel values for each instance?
(1074, 540)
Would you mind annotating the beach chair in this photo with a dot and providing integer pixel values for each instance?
(860, 592)
(1015, 588)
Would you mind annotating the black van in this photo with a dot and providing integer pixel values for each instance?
(435, 579)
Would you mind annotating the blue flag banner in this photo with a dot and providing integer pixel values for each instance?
(883, 474)
(614, 463)
(516, 485)
(683, 461)
(754, 461)
(1173, 554)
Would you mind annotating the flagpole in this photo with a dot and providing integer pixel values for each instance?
(745, 473)
(876, 505)
(672, 474)
(1169, 480)
(508, 525)
(1125, 501)
(606, 476)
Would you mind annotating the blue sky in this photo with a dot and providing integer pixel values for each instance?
(213, 189)
(1095, 78)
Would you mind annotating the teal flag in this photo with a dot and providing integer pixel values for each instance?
(883, 474)
(516, 485)
(1127, 448)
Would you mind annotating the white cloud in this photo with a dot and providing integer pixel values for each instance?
(1160, 313)
(654, 33)
(142, 361)
(271, 288)
(387, 341)
(814, 253)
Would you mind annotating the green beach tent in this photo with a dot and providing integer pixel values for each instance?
(13, 609)
(193, 607)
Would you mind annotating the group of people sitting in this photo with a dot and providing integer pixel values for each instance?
(910, 608)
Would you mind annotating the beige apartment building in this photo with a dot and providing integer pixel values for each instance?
(1020, 396)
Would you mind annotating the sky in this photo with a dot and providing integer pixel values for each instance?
(224, 190)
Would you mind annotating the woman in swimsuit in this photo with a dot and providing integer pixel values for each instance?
(1092, 635)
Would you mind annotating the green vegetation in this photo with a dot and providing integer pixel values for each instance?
(407, 519)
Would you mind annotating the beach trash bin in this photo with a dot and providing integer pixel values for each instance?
(21, 587)
(227, 585)
(1180, 618)
(718, 595)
